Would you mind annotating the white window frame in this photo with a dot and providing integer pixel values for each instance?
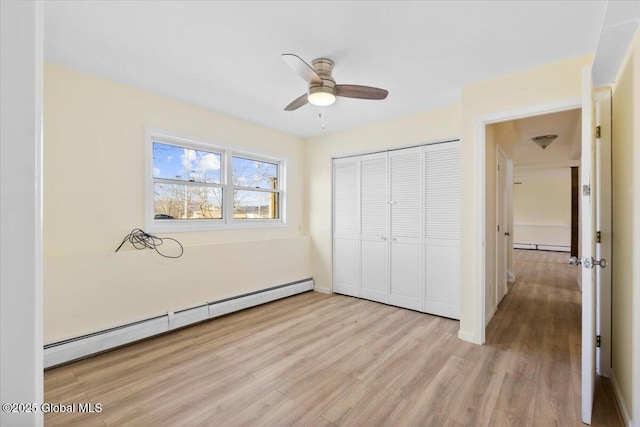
(227, 152)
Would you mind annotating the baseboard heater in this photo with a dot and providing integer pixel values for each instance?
(539, 247)
(76, 348)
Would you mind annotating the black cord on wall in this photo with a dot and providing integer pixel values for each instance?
(141, 240)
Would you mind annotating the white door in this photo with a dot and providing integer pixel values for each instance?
(589, 164)
(346, 225)
(442, 229)
(374, 229)
(502, 235)
(405, 176)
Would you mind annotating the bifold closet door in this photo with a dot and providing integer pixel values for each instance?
(442, 229)
(406, 194)
(346, 227)
(374, 229)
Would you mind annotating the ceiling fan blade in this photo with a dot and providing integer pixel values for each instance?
(361, 92)
(297, 103)
(301, 68)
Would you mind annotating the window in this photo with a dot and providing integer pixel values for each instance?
(255, 189)
(194, 185)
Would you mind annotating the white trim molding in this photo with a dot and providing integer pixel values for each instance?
(622, 404)
(480, 138)
(21, 154)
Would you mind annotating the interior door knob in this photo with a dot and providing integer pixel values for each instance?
(507, 234)
(574, 260)
(602, 263)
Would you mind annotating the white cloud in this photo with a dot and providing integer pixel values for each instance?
(209, 162)
(169, 158)
(188, 158)
(156, 171)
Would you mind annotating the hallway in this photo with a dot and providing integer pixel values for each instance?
(538, 323)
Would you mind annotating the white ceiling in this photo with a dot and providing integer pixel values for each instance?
(563, 152)
(225, 56)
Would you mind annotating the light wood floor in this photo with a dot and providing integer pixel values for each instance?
(320, 360)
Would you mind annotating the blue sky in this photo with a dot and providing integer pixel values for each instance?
(171, 162)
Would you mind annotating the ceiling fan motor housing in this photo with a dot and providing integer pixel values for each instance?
(323, 67)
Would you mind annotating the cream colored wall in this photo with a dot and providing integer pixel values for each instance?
(626, 231)
(94, 139)
(440, 124)
(549, 83)
(542, 207)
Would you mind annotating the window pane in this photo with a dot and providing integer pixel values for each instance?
(175, 201)
(185, 164)
(255, 205)
(254, 173)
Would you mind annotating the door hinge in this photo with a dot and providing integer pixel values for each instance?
(597, 340)
(597, 131)
(598, 237)
(498, 228)
(586, 190)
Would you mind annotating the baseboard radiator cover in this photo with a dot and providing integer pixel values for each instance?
(62, 352)
(541, 247)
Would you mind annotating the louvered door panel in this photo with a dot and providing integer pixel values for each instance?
(346, 227)
(405, 168)
(374, 195)
(405, 183)
(442, 229)
(442, 191)
(345, 197)
(374, 215)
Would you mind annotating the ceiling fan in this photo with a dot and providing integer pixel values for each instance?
(322, 87)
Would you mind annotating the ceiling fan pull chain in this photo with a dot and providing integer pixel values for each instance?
(321, 115)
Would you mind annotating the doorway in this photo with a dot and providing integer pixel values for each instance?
(531, 206)
(596, 143)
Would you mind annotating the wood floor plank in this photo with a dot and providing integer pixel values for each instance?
(329, 360)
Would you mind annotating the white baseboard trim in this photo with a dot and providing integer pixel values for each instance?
(468, 337)
(620, 399)
(86, 345)
(554, 248)
(323, 290)
(511, 278)
(524, 246)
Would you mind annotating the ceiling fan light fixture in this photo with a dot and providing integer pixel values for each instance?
(543, 141)
(321, 96)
